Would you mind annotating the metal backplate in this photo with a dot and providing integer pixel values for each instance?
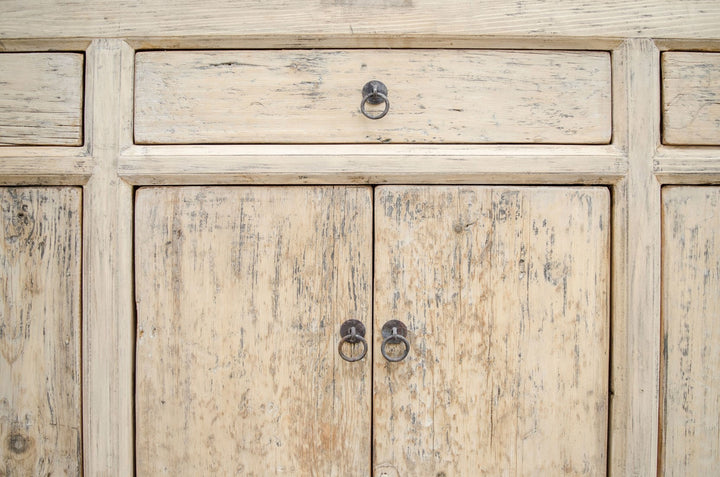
(371, 86)
(387, 329)
(345, 330)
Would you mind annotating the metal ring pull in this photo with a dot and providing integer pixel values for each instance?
(394, 332)
(375, 92)
(352, 331)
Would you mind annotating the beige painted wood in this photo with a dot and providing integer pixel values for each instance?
(40, 421)
(372, 164)
(41, 97)
(505, 291)
(636, 271)
(436, 96)
(690, 390)
(108, 305)
(240, 295)
(691, 98)
(530, 18)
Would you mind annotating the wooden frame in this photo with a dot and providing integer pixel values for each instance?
(634, 166)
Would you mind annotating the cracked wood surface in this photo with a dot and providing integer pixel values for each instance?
(41, 98)
(40, 332)
(241, 292)
(690, 391)
(505, 291)
(691, 98)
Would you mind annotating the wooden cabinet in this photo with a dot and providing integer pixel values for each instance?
(242, 291)
(533, 207)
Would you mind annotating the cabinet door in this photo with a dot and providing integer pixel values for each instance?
(40, 424)
(505, 292)
(690, 363)
(241, 292)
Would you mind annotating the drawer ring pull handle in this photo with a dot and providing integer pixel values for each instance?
(394, 332)
(352, 331)
(375, 92)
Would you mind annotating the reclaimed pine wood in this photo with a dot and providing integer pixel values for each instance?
(691, 98)
(108, 305)
(436, 96)
(41, 96)
(240, 296)
(505, 291)
(690, 391)
(40, 423)
(313, 18)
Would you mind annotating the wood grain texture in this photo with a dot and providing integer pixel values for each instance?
(436, 96)
(690, 391)
(41, 97)
(505, 291)
(691, 98)
(529, 18)
(108, 305)
(240, 295)
(40, 423)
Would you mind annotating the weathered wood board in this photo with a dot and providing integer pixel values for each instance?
(691, 98)
(40, 382)
(505, 291)
(41, 98)
(314, 96)
(360, 18)
(690, 363)
(241, 292)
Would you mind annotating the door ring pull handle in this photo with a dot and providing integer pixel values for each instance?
(375, 92)
(352, 331)
(394, 332)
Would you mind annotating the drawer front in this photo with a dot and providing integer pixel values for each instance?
(690, 394)
(41, 98)
(691, 98)
(436, 96)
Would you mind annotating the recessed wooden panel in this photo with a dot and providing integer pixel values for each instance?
(40, 423)
(41, 97)
(690, 364)
(241, 293)
(505, 291)
(436, 96)
(691, 98)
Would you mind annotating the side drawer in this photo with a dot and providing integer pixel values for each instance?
(314, 96)
(691, 98)
(41, 99)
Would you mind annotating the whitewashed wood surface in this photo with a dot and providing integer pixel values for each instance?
(41, 98)
(691, 98)
(313, 96)
(359, 18)
(690, 364)
(505, 291)
(241, 293)
(40, 421)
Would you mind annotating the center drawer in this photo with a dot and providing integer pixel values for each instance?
(314, 96)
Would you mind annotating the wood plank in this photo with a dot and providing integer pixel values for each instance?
(530, 18)
(108, 305)
(505, 291)
(240, 296)
(40, 421)
(691, 98)
(436, 96)
(41, 97)
(690, 391)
